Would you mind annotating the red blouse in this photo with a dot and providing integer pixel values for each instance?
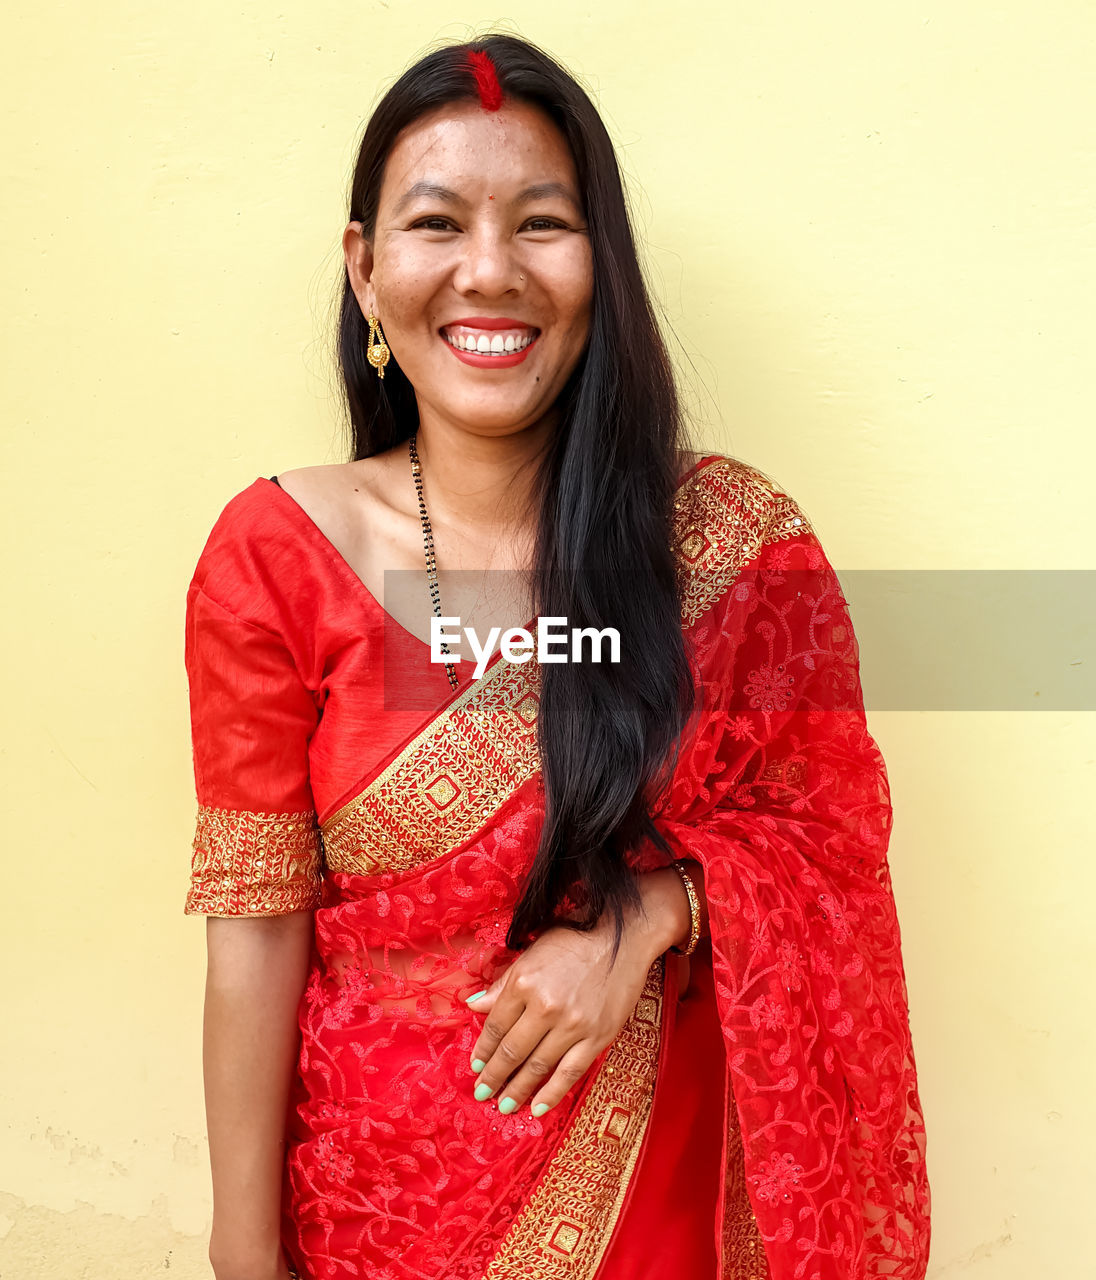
(284, 644)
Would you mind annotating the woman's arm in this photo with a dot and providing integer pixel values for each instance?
(666, 904)
(256, 974)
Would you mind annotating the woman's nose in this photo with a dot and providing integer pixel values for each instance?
(489, 264)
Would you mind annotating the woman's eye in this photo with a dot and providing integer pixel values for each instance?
(443, 224)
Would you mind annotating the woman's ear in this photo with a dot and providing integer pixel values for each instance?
(358, 253)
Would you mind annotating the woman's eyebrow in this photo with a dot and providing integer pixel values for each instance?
(538, 191)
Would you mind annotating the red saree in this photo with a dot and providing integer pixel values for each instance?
(763, 1125)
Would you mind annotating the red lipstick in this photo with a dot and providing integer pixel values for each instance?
(481, 360)
(492, 322)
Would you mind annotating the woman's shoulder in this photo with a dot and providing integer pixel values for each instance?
(239, 526)
(730, 515)
(255, 549)
(331, 494)
(725, 492)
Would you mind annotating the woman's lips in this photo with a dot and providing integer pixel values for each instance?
(483, 360)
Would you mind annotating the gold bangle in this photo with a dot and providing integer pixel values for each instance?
(694, 911)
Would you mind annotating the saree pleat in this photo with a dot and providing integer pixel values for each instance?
(759, 1123)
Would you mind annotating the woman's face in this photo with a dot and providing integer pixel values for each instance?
(479, 221)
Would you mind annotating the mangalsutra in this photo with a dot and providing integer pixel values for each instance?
(428, 545)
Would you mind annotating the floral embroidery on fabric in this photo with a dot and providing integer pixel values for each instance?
(778, 1178)
(790, 965)
(333, 1161)
(768, 1013)
(770, 688)
(780, 792)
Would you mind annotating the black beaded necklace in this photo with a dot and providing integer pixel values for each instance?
(428, 544)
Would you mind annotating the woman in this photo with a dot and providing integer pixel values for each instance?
(564, 968)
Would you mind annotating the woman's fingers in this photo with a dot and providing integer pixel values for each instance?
(538, 1054)
(548, 1074)
(504, 1052)
(572, 1066)
(551, 1014)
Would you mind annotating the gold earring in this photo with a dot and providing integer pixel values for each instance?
(377, 354)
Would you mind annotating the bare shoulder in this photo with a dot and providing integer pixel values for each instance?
(337, 495)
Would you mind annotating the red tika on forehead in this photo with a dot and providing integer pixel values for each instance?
(487, 82)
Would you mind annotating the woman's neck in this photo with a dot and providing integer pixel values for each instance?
(487, 483)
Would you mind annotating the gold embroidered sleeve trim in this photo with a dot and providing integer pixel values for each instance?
(564, 1228)
(254, 864)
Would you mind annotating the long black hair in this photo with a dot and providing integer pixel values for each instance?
(607, 732)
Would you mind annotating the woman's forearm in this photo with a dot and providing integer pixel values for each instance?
(257, 969)
(666, 904)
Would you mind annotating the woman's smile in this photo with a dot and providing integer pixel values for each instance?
(489, 343)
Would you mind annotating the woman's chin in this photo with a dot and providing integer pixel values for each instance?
(491, 415)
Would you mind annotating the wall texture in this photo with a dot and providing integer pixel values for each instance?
(871, 230)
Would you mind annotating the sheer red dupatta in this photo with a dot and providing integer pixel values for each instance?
(783, 797)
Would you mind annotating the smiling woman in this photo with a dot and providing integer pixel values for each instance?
(564, 969)
(483, 234)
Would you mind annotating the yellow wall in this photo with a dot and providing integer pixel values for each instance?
(872, 229)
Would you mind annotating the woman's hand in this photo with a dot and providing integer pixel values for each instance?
(560, 1003)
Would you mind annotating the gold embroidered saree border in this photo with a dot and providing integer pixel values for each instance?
(453, 776)
(565, 1226)
(254, 864)
(742, 1251)
(446, 783)
(725, 515)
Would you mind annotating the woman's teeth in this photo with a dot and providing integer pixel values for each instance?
(493, 346)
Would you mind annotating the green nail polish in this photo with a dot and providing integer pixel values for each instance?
(540, 1109)
(469, 999)
(507, 1105)
(483, 1092)
(478, 1064)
